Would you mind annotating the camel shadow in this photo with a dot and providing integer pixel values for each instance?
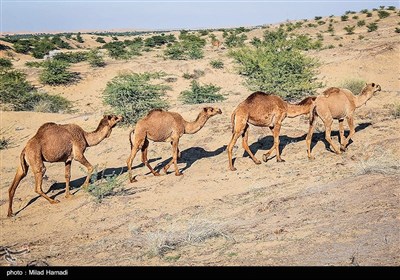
(267, 142)
(320, 136)
(190, 156)
(77, 183)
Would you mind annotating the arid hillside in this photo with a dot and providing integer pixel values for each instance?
(338, 210)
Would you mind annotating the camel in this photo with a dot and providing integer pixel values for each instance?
(164, 126)
(265, 110)
(338, 103)
(59, 143)
(216, 43)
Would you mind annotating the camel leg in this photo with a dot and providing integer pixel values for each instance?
(67, 177)
(174, 158)
(39, 173)
(130, 159)
(309, 138)
(17, 179)
(350, 121)
(234, 139)
(82, 160)
(144, 158)
(245, 138)
(328, 128)
(341, 132)
(275, 131)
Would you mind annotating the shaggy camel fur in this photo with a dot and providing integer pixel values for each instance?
(163, 126)
(59, 143)
(338, 103)
(266, 110)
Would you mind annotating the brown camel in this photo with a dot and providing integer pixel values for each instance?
(338, 103)
(163, 126)
(266, 110)
(216, 43)
(59, 143)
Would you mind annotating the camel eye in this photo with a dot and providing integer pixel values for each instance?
(212, 109)
(373, 84)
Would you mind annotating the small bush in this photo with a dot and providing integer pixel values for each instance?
(354, 85)
(391, 8)
(355, 17)
(344, 17)
(100, 40)
(397, 30)
(201, 94)
(5, 139)
(217, 64)
(71, 57)
(34, 64)
(364, 11)
(55, 73)
(95, 59)
(22, 96)
(369, 14)
(317, 18)
(79, 37)
(372, 27)
(349, 29)
(197, 73)
(383, 14)
(360, 23)
(133, 96)
(106, 186)
(5, 63)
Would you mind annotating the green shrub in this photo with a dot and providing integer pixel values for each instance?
(5, 139)
(59, 43)
(318, 18)
(383, 14)
(360, 23)
(133, 96)
(217, 64)
(22, 46)
(34, 64)
(5, 63)
(100, 40)
(349, 29)
(201, 94)
(95, 59)
(354, 85)
(197, 73)
(106, 186)
(278, 66)
(364, 11)
(117, 50)
(321, 22)
(397, 30)
(79, 37)
(42, 47)
(235, 40)
(369, 14)
(55, 73)
(189, 48)
(22, 96)
(344, 18)
(391, 8)
(355, 17)
(71, 57)
(255, 41)
(372, 27)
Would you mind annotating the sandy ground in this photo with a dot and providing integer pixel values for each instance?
(334, 210)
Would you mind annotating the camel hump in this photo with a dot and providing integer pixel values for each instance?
(330, 91)
(154, 110)
(256, 94)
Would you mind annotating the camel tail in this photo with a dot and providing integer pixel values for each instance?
(233, 120)
(130, 137)
(22, 162)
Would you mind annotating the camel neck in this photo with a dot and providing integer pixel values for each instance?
(193, 127)
(95, 137)
(362, 98)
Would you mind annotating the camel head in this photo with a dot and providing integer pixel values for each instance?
(372, 87)
(110, 121)
(211, 111)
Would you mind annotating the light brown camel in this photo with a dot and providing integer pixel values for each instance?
(216, 43)
(163, 126)
(338, 103)
(266, 110)
(59, 143)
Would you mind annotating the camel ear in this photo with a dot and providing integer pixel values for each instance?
(205, 109)
(373, 84)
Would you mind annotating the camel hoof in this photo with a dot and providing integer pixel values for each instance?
(339, 152)
(9, 215)
(233, 168)
(178, 174)
(68, 195)
(311, 157)
(280, 160)
(132, 180)
(54, 201)
(343, 148)
(265, 158)
(156, 174)
(257, 162)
